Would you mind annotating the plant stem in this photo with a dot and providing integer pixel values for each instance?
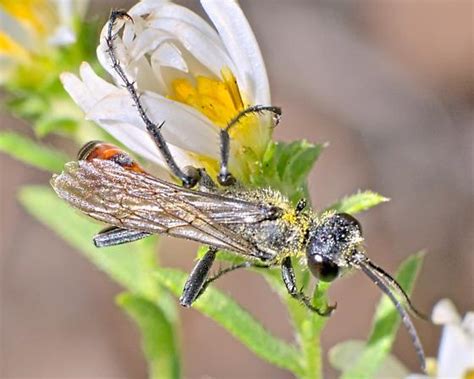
(310, 336)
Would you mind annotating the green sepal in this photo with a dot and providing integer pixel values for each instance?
(285, 167)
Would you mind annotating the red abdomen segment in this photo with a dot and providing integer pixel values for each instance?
(108, 152)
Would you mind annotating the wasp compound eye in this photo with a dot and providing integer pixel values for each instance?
(323, 268)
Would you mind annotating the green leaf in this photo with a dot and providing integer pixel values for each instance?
(285, 168)
(159, 340)
(31, 152)
(358, 202)
(47, 125)
(385, 325)
(284, 153)
(27, 106)
(130, 265)
(237, 322)
(301, 162)
(345, 354)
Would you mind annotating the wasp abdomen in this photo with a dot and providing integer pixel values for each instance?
(108, 152)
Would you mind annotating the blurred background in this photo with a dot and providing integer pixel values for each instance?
(390, 85)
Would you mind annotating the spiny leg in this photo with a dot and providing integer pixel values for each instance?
(188, 179)
(288, 276)
(194, 283)
(225, 178)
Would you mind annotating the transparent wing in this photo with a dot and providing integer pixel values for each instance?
(109, 193)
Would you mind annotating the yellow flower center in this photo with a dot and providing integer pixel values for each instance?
(218, 100)
(12, 49)
(469, 374)
(37, 15)
(221, 100)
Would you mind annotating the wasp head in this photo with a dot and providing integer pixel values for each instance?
(332, 242)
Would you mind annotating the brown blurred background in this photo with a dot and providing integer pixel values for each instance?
(390, 85)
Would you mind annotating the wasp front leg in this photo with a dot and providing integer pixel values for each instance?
(289, 278)
(225, 178)
(190, 176)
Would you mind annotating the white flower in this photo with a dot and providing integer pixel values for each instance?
(190, 75)
(29, 27)
(456, 350)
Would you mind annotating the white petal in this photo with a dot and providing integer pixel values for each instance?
(140, 142)
(145, 77)
(169, 55)
(187, 17)
(177, 12)
(468, 323)
(68, 11)
(200, 44)
(444, 312)
(184, 127)
(88, 91)
(456, 352)
(147, 41)
(77, 90)
(242, 47)
(145, 7)
(62, 36)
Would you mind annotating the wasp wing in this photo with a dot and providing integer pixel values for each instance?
(127, 199)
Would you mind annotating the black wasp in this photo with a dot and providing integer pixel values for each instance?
(260, 225)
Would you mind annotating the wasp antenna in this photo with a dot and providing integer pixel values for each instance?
(375, 274)
(391, 282)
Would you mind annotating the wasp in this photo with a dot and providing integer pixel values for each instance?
(260, 225)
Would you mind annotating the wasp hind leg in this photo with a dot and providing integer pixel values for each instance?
(196, 279)
(225, 178)
(288, 276)
(190, 176)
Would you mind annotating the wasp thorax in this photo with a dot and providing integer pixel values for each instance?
(330, 245)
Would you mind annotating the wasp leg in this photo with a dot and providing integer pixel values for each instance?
(225, 178)
(116, 236)
(196, 279)
(288, 276)
(189, 179)
(230, 269)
